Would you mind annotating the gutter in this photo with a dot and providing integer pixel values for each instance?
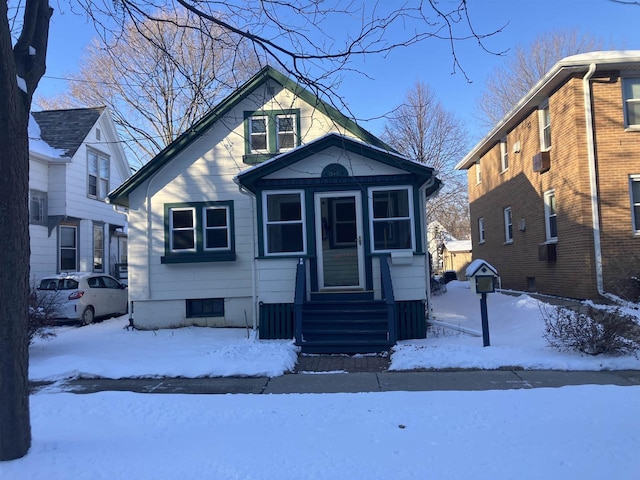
(254, 281)
(593, 179)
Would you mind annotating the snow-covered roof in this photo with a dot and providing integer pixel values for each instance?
(476, 265)
(458, 245)
(556, 76)
(38, 145)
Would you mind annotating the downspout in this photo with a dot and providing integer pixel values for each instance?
(593, 182)
(254, 286)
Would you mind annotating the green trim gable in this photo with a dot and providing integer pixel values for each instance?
(120, 196)
(420, 173)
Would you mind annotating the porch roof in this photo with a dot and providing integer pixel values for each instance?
(421, 173)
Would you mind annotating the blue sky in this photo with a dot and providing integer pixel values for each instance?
(430, 61)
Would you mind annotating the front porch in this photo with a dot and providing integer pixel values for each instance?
(343, 321)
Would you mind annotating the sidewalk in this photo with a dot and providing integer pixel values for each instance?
(465, 380)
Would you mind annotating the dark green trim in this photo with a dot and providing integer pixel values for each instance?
(411, 318)
(200, 254)
(272, 133)
(275, 321)
(120, 196)
(416, 173)
(255, 158)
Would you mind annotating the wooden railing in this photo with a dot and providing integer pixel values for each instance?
(299, 299)
(387, 294)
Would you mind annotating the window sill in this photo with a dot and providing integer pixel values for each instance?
(198, 258)
(549, 241)
(508, 242)
(255, 158)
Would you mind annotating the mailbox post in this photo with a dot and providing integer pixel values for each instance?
(483, 279)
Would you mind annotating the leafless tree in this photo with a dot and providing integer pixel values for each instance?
(158, 78)
(311, 40)
(423, 130)
(524, 66)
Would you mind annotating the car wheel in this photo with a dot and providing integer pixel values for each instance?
(88, 316)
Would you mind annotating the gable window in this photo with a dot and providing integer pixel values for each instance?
(199, 232)
(269, 132)
(508, 225)
(98, 175)
(68, 250)
(634, 190)
(631, 88)
(284, 225)
(544, 120)
(391, 223)
(481, 230)
(98, 247)
(504, 154)
(550, 219)
(38, 207)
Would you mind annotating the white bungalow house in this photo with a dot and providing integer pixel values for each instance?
(75, 159)
(276, 211)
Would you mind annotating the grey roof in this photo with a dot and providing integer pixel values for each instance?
(67, 129)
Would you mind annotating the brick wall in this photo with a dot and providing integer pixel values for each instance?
(618, 155)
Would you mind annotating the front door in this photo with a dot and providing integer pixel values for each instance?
(339, 240)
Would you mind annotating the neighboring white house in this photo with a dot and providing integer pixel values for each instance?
(75, 159)
(271, 186)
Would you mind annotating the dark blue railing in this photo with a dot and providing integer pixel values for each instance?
(387, 294)
(299, 299)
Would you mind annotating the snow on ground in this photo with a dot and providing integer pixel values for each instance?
(585, 432)
(107, 349)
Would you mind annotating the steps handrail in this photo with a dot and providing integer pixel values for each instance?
(387, 294)
(299, 298)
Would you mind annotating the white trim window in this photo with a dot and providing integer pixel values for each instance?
(286, 132)
(478, 173)
(634, 193)
(217, 234)
(259, 136)
(550, 215)
(508, 225)
(38, 212)
(544, 120)
(391, 224)
(481, 230)
(182, 229)
(98, 172)
(284, 223)
(98, 247)
(68, 248)
(504, 154)
(631, 91)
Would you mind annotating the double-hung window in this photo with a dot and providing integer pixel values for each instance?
(550, 217)
(98, 175)
(481, 230)
(269, 132)
(508, 225)
(199, 232)
(634, 191)
(631, 88)
(392, 222)
(284, 224)
(504, 154)
(98, 247)
(38, 207)
(68, 248)
(544, 120)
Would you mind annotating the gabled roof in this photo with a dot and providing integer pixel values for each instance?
(554, 78)
(421, 173)
(120, 195)
(66, 129)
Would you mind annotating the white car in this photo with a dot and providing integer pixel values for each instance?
(82, 296)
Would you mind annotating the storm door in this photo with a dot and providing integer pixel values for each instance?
(339, 240)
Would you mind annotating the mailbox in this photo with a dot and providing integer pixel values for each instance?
(483, 278)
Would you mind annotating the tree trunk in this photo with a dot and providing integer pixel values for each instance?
(15, 429)
(21, 68)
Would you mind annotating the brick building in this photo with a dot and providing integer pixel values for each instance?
(554, 188)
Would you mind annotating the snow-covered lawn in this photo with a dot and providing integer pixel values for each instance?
(583, 432)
